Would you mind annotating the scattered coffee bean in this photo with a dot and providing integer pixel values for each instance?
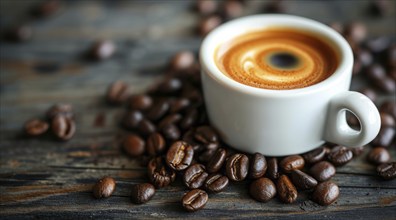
(326, 193)
(258, 166)
(170, 85)
(171, 132)
(179, 155)
(274, 6)
(158, 110)
(232, 9)
(379, 44)
(378, 155)
(63, 127)
(159, 174)
(117, 93)
(205, 134)
(208, 24)
(302, 180)
(182, 60)
(237, 167)
(272, 168)
(168, 120)
(315, 155)
(287, 192)
(356, 31)
(155, 144)
(102, 50)
(19, 33)
(262, 189)
(290, 163)
(364, 56)
(60, 109)
(389, 107)
(179, 105)
(322, 171)
(217, 160)
(357, 151)
(216, 182)
(104, 187)
(387, 120)
(195, 176)
(132, 118)
(190, 118)
(375, 72)
(142, 193)
(340, 155)
(140, 102)
(205, 156)
(370, 93)
(146, 127)
(387, 170)
(36, 127)
(206, 7)
(133, 145)
(384, 137)
(194, 200)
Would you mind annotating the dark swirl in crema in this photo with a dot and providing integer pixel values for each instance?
(277, 58)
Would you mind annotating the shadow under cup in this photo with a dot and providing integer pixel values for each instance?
(275, 121)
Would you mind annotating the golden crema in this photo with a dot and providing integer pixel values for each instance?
(277, 58)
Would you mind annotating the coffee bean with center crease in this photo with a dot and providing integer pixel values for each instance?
(140, 102)
(217, 160)
(104, 187)
(155, 144)
(117, 92)
(158, 110)
(272, 168)
(102, 49)
(205, 134)
(216, 182)
(63, 127)
(131, 119)
(171, 132)
(326, 193)
(146, 127)
(302, 180)
(142, 193)
(237, 167)
(378, 155)
(322, 171)
(387, 170)
(60, 109)
(36, 127)
(315, 155)
(290, 163)
(384, 137)
(287, 192)
(133, 145)
(340, 155)
(258, 166)
(262, 189)
(179, 155)
(159, 174)
(195, 176)
(194, 200)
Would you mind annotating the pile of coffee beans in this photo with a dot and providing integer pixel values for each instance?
(59, 120)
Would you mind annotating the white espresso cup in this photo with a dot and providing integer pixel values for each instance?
(284, 122)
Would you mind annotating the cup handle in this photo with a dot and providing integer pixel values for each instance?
(339, 132)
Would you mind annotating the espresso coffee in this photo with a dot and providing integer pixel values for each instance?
(278, 58)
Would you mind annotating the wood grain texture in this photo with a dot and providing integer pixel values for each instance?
(46, 179)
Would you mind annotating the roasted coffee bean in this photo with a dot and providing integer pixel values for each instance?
(205, 156)
(190, 118)
(206, 7)
(340, 155)
(102, 50)
(36, 127)
(375, 72)
(315, 155)
(302, 180)
(326, 193)
(155, 144)
(60, 109)
(272, 168)
(356, 31)
(274, 6)
(179, 155)
(386, 84)
(287, 192)
(357, 151)
(384, 137)
(370, 93)
(170, 119)
(46, 8)
(104, 187)
(258, 166)
(132, 118)
(146, 127)
(189, 138)
(378, 155)
(194, 200)
(237, 167)
(387, 120)
(159, 174)
(322, 171)
(63, 127)
(140, 102)
(337, 26)
(208, 24)
(290, 163)
(142, 193)
(205, 134)
(262, 189)
(179, 105)
(117, 92)
(216, 182)
(19, 33)
(379, 44)
(232, 9)
(387, 170)
(364, 56)
(171, 132)
(133, 145)
(170, 85)
(182, 60)
(195, 176)
(158, 110)
(389, 107)
(217, 160)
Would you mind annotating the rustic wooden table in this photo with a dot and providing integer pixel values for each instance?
(44, 178)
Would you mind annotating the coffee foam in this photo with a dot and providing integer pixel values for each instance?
(247, 59)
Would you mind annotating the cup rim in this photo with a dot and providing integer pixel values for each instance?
(209, 67)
